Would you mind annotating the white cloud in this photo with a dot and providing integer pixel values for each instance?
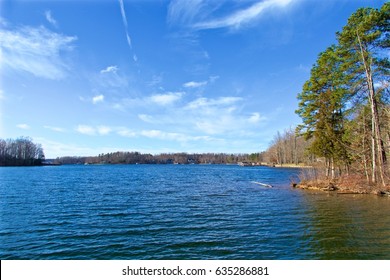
(243, 16)
(182, 12)
(152, 102)
(110, 69)
(255, 118)
(166, 98)
(218, 125)
(50, 19)
(223, 116)
(174, 136)
(109, 78)
(152, 133)
(55, 149)
(206, 102)
(194, 84)
(86, 129)
(103, 130)
(23, 126)
(91, 130)
(37, 51)
(98, 98)
(201, 14)
(54, 128)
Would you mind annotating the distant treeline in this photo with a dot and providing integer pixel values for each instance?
(20, 152)
(166, 158)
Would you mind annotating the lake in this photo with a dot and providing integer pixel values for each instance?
(182, 212)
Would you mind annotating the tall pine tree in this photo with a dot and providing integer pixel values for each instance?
(363, 43)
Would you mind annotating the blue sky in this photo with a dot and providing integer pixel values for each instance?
(89, 77)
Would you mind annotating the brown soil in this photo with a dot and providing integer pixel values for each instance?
(352, 184)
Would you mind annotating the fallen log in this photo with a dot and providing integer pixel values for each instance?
(262, 184)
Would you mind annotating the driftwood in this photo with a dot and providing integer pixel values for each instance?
(262, 184)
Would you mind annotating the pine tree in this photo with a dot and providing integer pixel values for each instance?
(363, 43)
(322, 109)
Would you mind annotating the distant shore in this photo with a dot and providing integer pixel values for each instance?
(287, 165)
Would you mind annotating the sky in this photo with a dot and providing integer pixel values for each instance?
(88, 77)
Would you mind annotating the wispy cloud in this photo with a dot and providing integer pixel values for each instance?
(128, 38)
(144, 133)
(146, 118)
(184, 12)
(50, 18)
(194, 84)
(244, 16)
(55, 149)
(98, 98)
(156, 80)
(202, 14)
(103, 129)
(173, 136)
(109, 78)
(208, 102)
(86, 129)
(23, 126)
(37, 51)
(54, 128)
(166, 98)
(94, 130)
(110, 69)
(223, 116)
(256, 118)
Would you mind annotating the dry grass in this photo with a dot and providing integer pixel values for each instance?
(315, 178)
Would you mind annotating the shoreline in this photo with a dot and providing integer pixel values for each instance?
(288, 166)
(331, 187)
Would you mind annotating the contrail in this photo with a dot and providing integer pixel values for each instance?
(123, 13)
(124, 19)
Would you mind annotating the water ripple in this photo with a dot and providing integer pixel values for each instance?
(182, 212)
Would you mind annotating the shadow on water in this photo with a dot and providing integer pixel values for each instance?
(348, 226)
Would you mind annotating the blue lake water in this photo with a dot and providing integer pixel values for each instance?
(182, 212)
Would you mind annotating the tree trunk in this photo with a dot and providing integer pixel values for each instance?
(364, 148)
(332, 168)
(377, 145)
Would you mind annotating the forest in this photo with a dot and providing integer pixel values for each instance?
(344, 105)
(20, 152)
(165, 158)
